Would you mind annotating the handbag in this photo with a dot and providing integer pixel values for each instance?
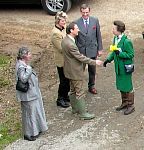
(21, 86)
(129, 68)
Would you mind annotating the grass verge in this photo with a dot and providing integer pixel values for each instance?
(10, 126)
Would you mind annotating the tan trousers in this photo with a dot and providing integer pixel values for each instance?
(76, 88)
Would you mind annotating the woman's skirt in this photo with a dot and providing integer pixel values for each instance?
(33, 117)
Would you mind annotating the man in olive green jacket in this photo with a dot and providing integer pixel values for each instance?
(74, 70)
(122, 56)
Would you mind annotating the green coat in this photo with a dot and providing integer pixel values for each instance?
(123, 80)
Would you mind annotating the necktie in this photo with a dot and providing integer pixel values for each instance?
(86, 23)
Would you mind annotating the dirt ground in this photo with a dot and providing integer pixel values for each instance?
(110, 130)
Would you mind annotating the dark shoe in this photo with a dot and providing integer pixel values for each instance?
(122, 106)
(29, 138)
(92, 90)
(62, 103)
(36, 136)
(129, 110)
(67, 99)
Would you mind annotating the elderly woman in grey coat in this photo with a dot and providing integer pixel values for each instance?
(33, 114)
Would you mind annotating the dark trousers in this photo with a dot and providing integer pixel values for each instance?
(92, 74)
(64, 86)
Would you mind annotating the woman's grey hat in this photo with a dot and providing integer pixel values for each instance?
(22, 52)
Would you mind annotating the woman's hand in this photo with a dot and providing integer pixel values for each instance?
(105, 62)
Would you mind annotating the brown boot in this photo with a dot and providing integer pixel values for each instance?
(130, 106)
(124, 97)
(129, 110)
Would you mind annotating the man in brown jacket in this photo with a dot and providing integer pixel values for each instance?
(74, 71)
(58, 33)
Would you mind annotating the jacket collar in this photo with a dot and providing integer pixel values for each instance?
(22, 63)
(61, 29)
(121, 42)
(71, 38)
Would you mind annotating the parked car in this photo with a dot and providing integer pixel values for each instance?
(53, 6)
(50, 6)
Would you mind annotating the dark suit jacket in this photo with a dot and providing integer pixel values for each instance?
(73, 60)
(89, 41)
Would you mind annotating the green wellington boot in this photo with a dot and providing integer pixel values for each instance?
(73, 103)
(83, 114)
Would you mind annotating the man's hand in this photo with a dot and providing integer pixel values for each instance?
(100, 53)
(99, 62)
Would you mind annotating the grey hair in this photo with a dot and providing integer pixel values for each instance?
(60, 15)
(23, 51)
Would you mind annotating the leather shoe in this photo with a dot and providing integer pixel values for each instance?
(93, 90)
(67, 99)
(31, 138)
(36, 136)
(60, 102)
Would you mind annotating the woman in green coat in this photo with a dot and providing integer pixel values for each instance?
(122, 54)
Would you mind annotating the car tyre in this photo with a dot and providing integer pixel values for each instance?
(54, 6)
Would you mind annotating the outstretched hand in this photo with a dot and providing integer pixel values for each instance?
(99, 62)
(105, 63)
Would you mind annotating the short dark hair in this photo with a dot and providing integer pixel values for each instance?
(84, 6)
(120, 25)
(70, 27)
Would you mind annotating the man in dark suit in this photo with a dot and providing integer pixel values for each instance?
(89, 41)
(74, 71)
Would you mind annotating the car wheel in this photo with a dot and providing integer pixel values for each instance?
(54, 6)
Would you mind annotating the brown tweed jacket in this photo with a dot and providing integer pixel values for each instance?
(73, 60)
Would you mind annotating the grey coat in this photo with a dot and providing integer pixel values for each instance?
(33, 114)
(89, 41)
(25, 73)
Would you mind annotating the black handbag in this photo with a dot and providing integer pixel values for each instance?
(129, 68)
(21, 86)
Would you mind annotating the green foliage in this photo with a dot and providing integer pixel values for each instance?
(10, 129)
(4, 70)
(4, 82)
(7, 135)
(10, 124)
(4, 60)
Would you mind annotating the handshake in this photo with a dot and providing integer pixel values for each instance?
(105, 62)
(99, 62)
(114, 48)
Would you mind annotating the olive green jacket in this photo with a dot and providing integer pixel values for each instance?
(56, 38)
(123, 80)
(73, 60)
